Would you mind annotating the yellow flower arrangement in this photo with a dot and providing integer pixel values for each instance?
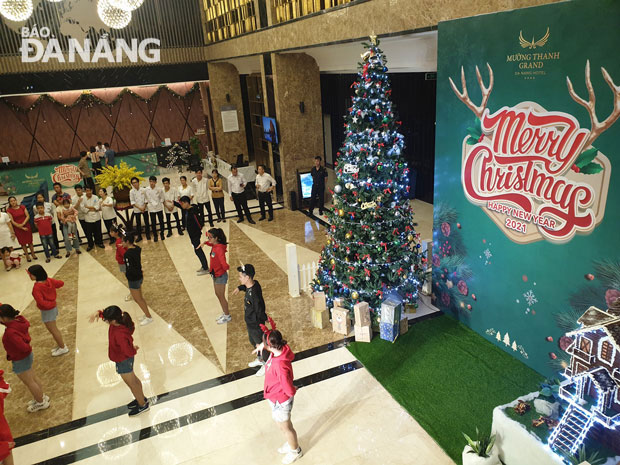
(118, 176)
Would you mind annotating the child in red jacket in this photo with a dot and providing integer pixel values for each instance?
(16, 342)
(279, 389)
(117, 233)
(121, 351)
(6, 438)
(44, 293)
(219, 270)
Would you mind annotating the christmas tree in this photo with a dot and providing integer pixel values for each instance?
(372, 249)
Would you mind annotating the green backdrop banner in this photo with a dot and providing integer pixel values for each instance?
(527, 206)
(28, 180)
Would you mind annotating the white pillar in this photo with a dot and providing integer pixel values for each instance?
(293, 270)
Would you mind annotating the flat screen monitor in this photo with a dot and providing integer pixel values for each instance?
(270, 132)
(305, 182)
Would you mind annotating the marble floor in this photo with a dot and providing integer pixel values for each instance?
(194, 370)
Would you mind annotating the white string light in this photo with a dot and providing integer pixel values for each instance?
(111, 16)
(16, 10)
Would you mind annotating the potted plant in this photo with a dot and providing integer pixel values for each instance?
(480, 451)
(119, 178)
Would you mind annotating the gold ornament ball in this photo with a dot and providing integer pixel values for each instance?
(340, 212)
(332, 262)
(348, 235)
(329, 242)
(355, 295)
(410, 238)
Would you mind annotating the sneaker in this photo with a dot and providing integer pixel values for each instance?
(224, 220)
(134, 403)
(255, 363)
(68, 254)
(138, 410)
(270, 219)
(224, 319)
(128, 297)
(141, 317)
(262, 218)
(32, 401)
(146, 321)
(202, 272)
(47, 260)
(285, 449)
(60, 351)
(180, 233)
(78, 251)
(155, 240)
(293, 455)
(57, 256)
(261, 372)
(89, 248)
(169, 234)
(36, 406)
(101, 246)
(251, 221)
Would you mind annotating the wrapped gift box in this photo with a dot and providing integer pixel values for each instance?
(319, 301)
(320, 318)
(362, 314)
(391, 310)
(404, 325)
(388, 331)
(410, 308)
(363, 333)
(341, 323)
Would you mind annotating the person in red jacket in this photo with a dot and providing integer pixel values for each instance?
(279, 389)
(122, 351)
(44, 293)
(216, 239)
(16, 342)
(117, 233)
(6, 438)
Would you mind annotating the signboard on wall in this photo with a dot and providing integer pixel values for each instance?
(527, 205)
(27, 180)
(230, 120)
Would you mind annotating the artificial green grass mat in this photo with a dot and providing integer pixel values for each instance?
(447, 377)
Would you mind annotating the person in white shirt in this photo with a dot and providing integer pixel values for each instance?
(155, 204)
(50, 209)
(170, 209)
(107, 211)
(265, 185)
(91, 206)
(184, 191)
(201, 196)
(137, 198)
(76, 201)
(236, 186)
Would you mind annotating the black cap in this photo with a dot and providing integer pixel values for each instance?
(247, 270)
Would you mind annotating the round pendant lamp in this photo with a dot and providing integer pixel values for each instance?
(111, 16)
(126, 5)
(16, 10)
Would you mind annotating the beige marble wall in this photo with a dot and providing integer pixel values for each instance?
(224, 79)
(296, 78)
(358, 21)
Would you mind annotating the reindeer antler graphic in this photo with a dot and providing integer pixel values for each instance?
(597, 128)
(486, 91)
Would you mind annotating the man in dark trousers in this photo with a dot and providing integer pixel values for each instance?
(255, 315)
(194, 229)
(236, 187)
(319, 174)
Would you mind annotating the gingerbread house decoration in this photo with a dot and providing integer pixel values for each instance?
(592, 386)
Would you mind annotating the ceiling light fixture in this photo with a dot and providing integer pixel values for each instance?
(126, 5)
(16, 10)
(111, 16)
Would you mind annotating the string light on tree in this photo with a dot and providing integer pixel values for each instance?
(372, 249)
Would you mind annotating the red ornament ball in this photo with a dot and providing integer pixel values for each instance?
(524, 278)
(458, 225)
(468, 306)
(549, 338)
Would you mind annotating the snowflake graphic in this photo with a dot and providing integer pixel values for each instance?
(530, 297)
(487, 253)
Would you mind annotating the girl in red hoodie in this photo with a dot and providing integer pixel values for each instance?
(16, 342)
(44, 293)
(117, 233)
(219, 270)
(122, 351)
(279, 389)
(6, 438)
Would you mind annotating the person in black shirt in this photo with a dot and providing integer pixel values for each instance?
(319, 174)
(191, 219)
(255, 315)
(133, 272)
